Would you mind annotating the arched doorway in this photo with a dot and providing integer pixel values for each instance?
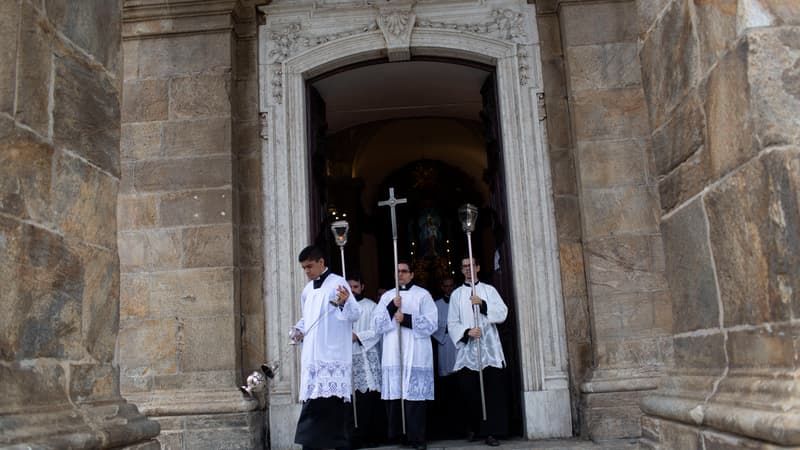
(295, 48)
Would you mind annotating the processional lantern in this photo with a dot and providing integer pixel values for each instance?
(340, 228)
(468, 215)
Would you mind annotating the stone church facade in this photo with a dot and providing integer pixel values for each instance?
(154, 193)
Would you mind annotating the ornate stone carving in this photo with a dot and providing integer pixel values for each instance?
(276, 82)
(506, 23)
(523, 67)
(263, 125)
(290, 39)
(394, 22)
(541, 105)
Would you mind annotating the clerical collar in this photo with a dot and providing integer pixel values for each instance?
(470, 285)
(358, 297)
(406, 287)
(320, 279)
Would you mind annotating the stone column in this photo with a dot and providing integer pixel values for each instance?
(628, 298)
(59, 271)
(727, 151)
(181, 325)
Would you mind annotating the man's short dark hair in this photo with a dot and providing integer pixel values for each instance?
(474, 258)
(406, 262)
(311, 253)
(355, 276)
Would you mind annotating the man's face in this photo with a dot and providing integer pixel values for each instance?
(312, 268)
(404, 274)
(447, 286)
(356, 286)
(465, 269)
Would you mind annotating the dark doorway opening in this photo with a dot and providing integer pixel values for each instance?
(437, 143)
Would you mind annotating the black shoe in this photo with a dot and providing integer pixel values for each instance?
(422, 446)
(471, 436)
(492, 442)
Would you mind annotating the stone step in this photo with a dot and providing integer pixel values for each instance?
(519, 444)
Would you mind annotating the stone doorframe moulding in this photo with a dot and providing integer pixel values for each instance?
(532, 229)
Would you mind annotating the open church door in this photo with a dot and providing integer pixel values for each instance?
(317, 161)
(495, 252)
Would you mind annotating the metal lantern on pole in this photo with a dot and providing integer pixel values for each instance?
(340, 228)
(468, 215)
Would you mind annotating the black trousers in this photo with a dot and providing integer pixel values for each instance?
(415, 421)
(371, 420)
(445, 418)
(496, 395)
(323, 424)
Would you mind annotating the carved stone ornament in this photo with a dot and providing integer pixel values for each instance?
(505, 23)
(395, 22)
(263, 125)
(523, 67)
(276, 85)
(290, 39)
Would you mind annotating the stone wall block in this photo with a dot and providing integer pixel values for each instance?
(250, 247)
(558, 131)
(200, 96)
(208, 343)
(670, 43)
(26, 180)
(134, 296)
(612, 163)
(132, 255)
(193, 173)
(150, 250)
(576, 312)
(92, 25)
(43, 289)
(253, 343)
(192, 293)
(624, 315)
(676, 435)
(246, 139)
(93, 382)
(753, 217)
(573, 276)
(141, 141)
(568, 220)
(772, 348)
(177, 55)
(86, 113)
(598, 23)
(622, 264)
(549, 36)
(246, 99)
(648, 11)
(251, 207)
(690, 269)
(43, 383)
(606, 66)
(208, 246)
(196, 207)
(562, 169)
(610, 114)
(197, 137)
(137, 212)
(783, 12)
(246, 59)
(86, 200)
(626, 209)
(613, 415)
(130, 60)
(33, 71)
(686, 181)
(100, 302)
(145, 100)
(704, 352)
(9, 34)
(715, 23)
(149, 345)
(682, 135)
(199, 379)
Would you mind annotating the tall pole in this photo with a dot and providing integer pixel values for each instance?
(468, 215)
(391, 203)
(340, 229)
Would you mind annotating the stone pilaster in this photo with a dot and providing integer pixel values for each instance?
(628, 299)
(727, 151)
(60, 79)
(181, 320)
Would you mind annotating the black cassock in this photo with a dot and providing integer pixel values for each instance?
(323, 423)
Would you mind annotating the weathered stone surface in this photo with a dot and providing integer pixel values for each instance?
(134, 296)
(246, 138)
(136, 212)
(246, 59)
(200, 380)
(648, 11)
(754, 216)
(568, 222)
(598, 23)
(573, 276)
(31, 385)
(141, 140)
(622, 264)
(626, 209)
(606, 66)
(197, 137)
(250, 206)
(610, 114)
(690, 269)
(93, 382)
(100, 321)
(148, 250)
(606, 164)
(176, 55)
(86, 113)
(152, 345)
(91, 25)
(200, 96)
(715, 23)
(169, 175)
(705, 352)
(670, 43)
(562, 169)
(576, 314)
(245, 97)
(145, 101)
(558, 132)
(9, 33)
(209, 246)
(33, 72)
(192, 293)
(685, 181)
(613, 415)
(208, 343)
(253, 343)
(675, 435)
(196, 207)
(251, 249)
(626, 315)
(640, 352)
(250, 173)
(682, 135)
(26, 180)
(772, 348)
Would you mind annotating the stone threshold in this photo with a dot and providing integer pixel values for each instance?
(519, 444)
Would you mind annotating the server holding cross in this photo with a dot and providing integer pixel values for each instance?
(406, 316)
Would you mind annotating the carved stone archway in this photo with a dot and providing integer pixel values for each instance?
(297, 43)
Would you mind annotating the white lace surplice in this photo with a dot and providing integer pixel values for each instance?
(367, 354)
(327, 355)
(460, 318)
(417, 364)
